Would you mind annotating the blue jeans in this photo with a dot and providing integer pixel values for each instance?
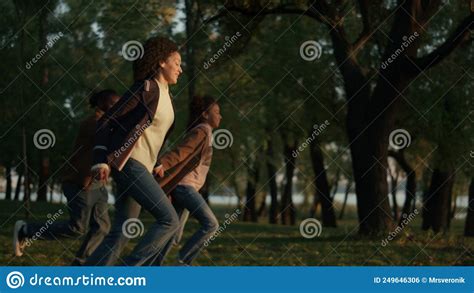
(137, 187)
(88, 213)
(186, 197)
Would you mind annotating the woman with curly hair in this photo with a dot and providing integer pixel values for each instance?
(128, 140)
(184, 170)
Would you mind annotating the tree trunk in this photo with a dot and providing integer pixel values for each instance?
(314, 206)
(43, 81)
(18, 186)
(8, 177)
(393, 192)
(437, 203)
(272, 185)
(21, 14)
(26, 181)
(235, 183)
(191, 23)
(287, 208)
(346, 195)
(43, 177)
(262, 208)
(250, 211)
(469, 228)
(335, 184)
(410, 189)
(322, 192)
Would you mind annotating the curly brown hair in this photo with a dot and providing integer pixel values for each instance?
(199, 105)
(156, 50)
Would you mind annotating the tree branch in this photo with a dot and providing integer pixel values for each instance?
(283, 9)
(460, 35)
(366, 31)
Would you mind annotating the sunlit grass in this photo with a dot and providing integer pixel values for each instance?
(245, 244)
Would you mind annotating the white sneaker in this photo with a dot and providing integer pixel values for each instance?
(18, 237)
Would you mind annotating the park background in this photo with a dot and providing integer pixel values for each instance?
(347, 133)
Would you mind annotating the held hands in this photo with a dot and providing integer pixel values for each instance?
(159, 171)
(101, 174)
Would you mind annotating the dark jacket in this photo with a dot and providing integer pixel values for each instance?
(184, 158)
(77, 171)
(120, 128)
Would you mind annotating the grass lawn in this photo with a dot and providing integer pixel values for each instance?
(251, 244)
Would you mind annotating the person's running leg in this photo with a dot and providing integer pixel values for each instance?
(189, 198)
(148, 193)
(99, 224)
(109, 250)
(51, 229)
(183, 217)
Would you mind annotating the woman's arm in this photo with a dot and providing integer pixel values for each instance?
(110, 120)
(191, 141)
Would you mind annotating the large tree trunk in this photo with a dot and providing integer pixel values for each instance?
(272, 184)
(287, 208)
(469, 228)
(322, 192)
(437, 203)
(410, 189)
(250, 211)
